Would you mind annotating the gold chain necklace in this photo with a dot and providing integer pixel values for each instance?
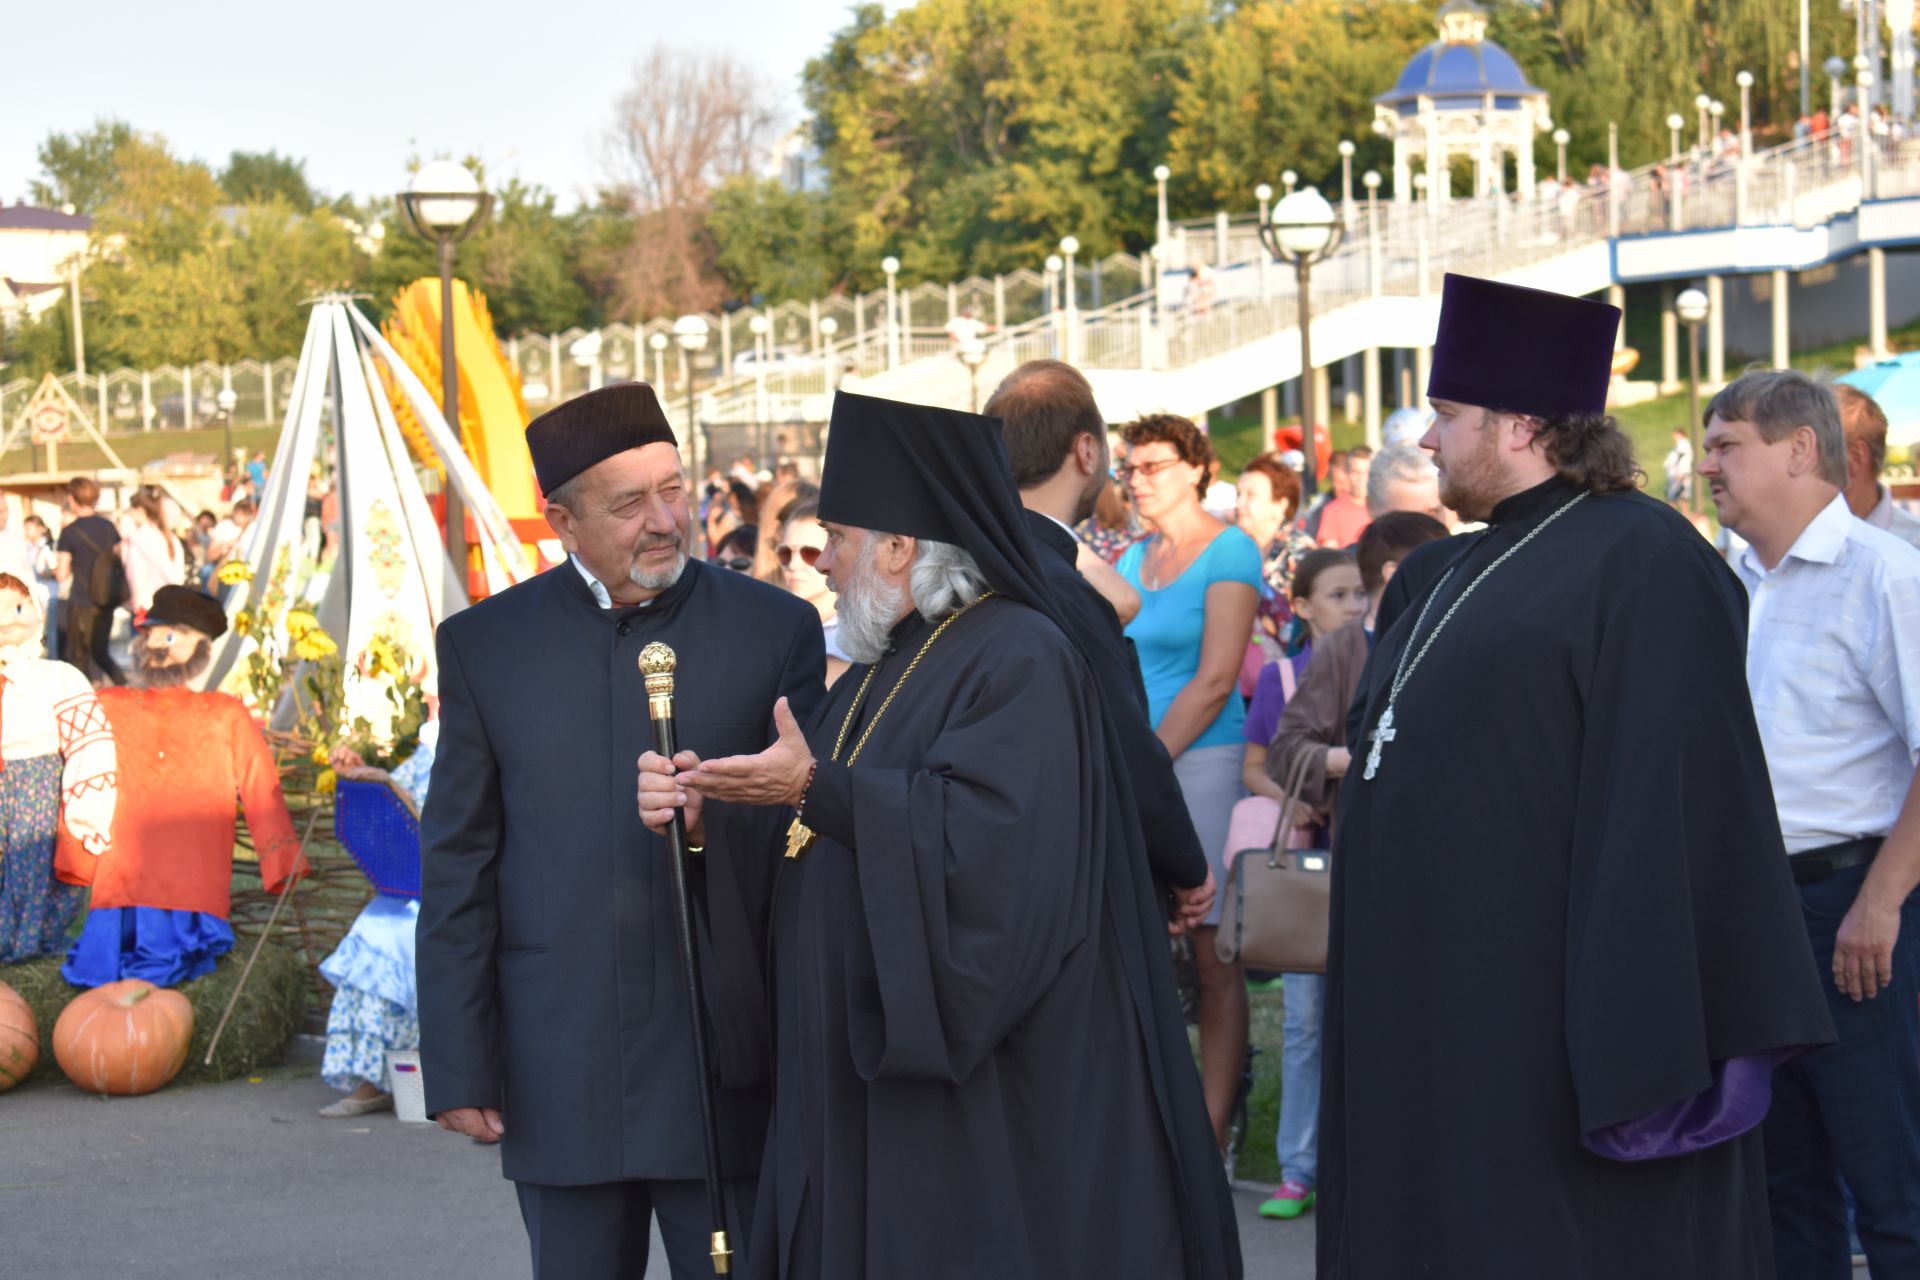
(800, 836)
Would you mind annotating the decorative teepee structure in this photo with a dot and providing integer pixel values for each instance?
(392, 581)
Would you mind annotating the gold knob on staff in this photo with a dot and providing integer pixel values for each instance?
(656, 668)
(722, 1253)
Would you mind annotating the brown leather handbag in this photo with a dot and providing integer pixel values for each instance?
(1278, 898)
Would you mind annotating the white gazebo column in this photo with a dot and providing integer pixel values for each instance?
(1523, 156)
(1716, 331)
(1877, 303)
(1370, 395)
(1437, 177)
(1402, 170)
(1781, 353)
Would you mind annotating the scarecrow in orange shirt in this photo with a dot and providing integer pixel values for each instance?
(56, 769)
(160, 895)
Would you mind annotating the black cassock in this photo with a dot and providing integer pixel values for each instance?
(960, 1085)
(550, 982)
(1560, 903)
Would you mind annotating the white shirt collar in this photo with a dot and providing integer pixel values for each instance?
(1064, 526)
(1819, 543)
(599, 588)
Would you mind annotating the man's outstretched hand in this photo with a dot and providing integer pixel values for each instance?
(482, 1124)
(777, 775)
(662, 790)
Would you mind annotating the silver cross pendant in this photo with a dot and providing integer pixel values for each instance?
(1382, 734)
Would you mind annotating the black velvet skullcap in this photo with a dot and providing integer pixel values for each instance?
(571, 437)
(175, 606)
(1519, 350)
(895, 467)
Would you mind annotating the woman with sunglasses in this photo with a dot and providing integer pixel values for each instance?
(1199, 583)
(802, 539)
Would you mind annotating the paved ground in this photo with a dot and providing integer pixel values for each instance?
(243, 1181)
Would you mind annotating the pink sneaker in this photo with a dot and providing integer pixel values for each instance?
(1290, 1200)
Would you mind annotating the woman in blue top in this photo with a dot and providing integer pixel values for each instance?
(1199, 583)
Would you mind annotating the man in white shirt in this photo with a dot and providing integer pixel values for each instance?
(1866, 427)
(16, 557)
(1833, 663)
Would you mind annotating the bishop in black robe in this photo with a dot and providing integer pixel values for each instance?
(1565, 951)
(981, 1068)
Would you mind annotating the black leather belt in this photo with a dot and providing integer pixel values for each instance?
(1816, 865)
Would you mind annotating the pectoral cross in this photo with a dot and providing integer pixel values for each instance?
(1382, 734)
(799, 838)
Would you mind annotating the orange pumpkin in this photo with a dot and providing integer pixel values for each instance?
(128, 1037)
(19, 1038)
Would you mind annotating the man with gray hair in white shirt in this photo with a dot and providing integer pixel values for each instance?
(1865, 423)
(1833, 663)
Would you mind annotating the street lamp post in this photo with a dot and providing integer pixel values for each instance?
(1560, 139)
(972, 353)
(1289, 180)
(1053, 265)
(1070, 245)
(828, 327)
(227, 401)
(1304, 231)
(1346, 185)
(891, 265)
(1745, 81)
(1160, 175)
(690, 332)
(1371, 180)
(1835, 67)
(1675, 123)
(1863, 132)
(760, 327)
(1264, 194)
(1692, 307)
(1703, 104)
(444, 204)
(658, 345)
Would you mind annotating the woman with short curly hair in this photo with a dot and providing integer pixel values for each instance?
(1199, 582)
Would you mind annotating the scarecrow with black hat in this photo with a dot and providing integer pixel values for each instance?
(1566, 951)
(552, 1015)
(160, 894)
(980, 1068)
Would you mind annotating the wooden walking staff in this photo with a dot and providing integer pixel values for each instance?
(286, 891)
(656, 666)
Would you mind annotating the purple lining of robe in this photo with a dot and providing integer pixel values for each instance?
(1735, 1102)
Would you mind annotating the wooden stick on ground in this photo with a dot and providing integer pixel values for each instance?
(233, 1002)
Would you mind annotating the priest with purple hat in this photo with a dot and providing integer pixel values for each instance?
(553, 1019)
(1566, 952)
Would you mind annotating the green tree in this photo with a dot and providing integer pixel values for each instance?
(82, 169)
(771, 242)
(259, 177)
(278, 257)
(1276, 85)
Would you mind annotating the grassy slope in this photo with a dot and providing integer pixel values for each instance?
(140, 448)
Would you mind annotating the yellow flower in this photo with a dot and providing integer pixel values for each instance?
(320, 754)
(325, 782)
(314, 645)
(300, 622)
(243, 623)
(235, 572)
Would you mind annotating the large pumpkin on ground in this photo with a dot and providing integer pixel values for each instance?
(128, 1037)
(19, 1038)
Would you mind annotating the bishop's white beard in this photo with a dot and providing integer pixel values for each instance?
(659, 579)
(868, 607)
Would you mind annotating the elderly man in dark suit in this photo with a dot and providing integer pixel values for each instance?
(553, 1017)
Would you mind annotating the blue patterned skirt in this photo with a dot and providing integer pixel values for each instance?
(35, 908)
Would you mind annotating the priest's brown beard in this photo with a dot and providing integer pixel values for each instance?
(155, 675)
(1471, 486)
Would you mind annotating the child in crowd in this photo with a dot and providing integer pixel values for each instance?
(1327, 595)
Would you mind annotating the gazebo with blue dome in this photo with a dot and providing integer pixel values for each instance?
(1462, 95)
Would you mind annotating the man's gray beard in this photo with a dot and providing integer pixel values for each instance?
(868, 607)
(153, 675)
(660, 579)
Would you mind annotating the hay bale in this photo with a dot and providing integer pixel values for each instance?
(261, 1030)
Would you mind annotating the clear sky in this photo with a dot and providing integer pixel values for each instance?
(356, 86)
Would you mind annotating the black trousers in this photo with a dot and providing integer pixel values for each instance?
(88, 637)
(599, 1232)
